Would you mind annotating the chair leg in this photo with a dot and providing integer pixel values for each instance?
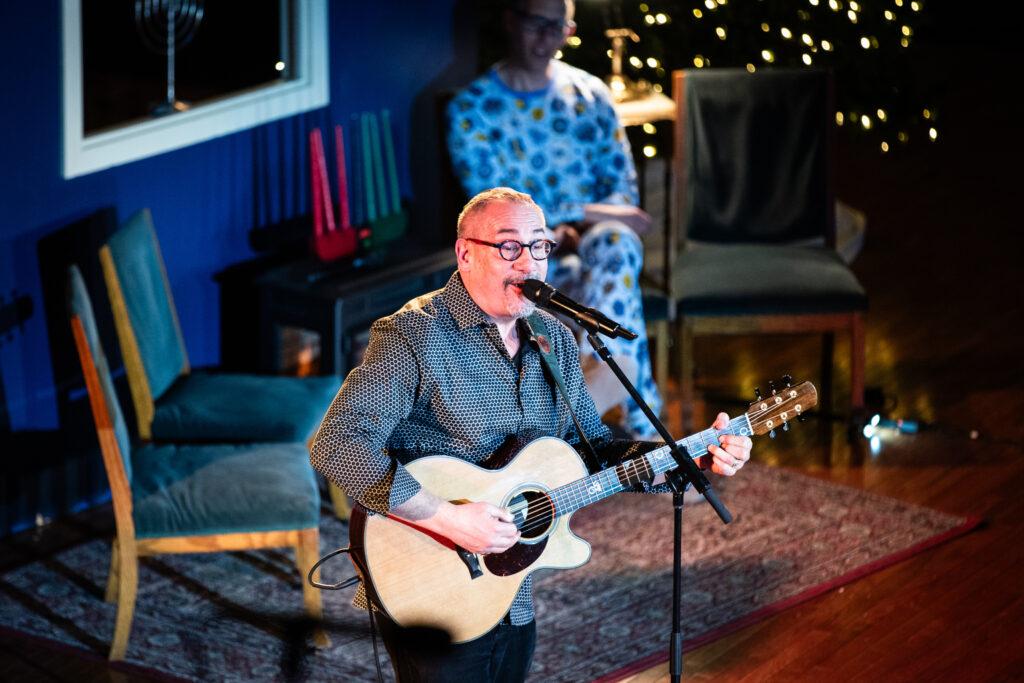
(342, 509)
(828, 345)
(660, 329)
(111, 595)
(858, 361)
(687, 391)
(306, 554)
(127, 585)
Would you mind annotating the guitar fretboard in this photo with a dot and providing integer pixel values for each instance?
(575, 495)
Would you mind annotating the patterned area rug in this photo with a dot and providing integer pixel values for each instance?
(238, 616)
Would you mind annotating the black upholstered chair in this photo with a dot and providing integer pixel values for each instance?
(754, 219)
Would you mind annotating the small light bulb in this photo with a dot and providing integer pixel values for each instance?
(650, 129)
(279, 66)
(826, 46)
(649, 19)
(865, 121)
(650, 151)
(751, 68)
(808, 41)
(698, 61)
(933, 134)
(806, 59)
(652, 62)
(661, 18)
(885, 146)
(767, 56)
(881, 114)
(786, 33)
(697, 13)
(720, 32)
(840, 118)
(865, 43)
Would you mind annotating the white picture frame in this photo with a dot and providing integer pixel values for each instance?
(309, 89)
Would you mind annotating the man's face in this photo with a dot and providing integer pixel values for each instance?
(536, 31)
(490, 279)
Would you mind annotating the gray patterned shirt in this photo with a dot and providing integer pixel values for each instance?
(437, 380)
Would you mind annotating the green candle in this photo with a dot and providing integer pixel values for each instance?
(389, 155)
(378, 166)
(371, 202)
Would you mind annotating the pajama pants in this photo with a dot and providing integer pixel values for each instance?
(605, 274)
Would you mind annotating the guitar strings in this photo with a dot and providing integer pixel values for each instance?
(544, 513)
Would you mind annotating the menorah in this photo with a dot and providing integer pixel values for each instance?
(166, 26)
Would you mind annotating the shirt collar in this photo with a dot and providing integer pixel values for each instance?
(463, 309)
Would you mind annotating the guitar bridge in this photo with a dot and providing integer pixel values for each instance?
(471, 561)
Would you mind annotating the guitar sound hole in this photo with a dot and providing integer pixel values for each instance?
(533, 514)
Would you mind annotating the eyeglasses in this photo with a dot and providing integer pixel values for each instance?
(537, 24)
(511, 249)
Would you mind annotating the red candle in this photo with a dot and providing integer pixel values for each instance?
(339, 146)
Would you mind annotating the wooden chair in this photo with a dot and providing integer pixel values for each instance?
(754, 217)
(174, 404)
(191, 498)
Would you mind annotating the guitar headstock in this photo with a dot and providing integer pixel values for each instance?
(782, 405)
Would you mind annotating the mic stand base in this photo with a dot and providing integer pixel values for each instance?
(677, 480)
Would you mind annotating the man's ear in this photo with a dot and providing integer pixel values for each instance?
(462, 257)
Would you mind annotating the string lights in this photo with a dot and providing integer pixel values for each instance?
(864, 42)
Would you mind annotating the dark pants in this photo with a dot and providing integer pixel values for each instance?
(502, 655)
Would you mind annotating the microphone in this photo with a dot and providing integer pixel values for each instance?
(546, 296)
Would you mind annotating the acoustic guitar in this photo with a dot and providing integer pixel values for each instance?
(424, 580)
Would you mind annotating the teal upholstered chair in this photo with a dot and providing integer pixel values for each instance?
(191, 498)
(754, 216)
(171, 402)
(174, 404)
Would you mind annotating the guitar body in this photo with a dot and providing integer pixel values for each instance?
(423, 580)
(420, 580)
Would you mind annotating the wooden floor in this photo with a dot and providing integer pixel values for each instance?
(944, 334)
(944, 344)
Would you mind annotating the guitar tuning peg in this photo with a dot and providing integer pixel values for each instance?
(771, 434)
(785, 426)
(788, 379)
(771, 387)
(757, 393)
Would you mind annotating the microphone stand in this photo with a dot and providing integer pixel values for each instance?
(677, 480)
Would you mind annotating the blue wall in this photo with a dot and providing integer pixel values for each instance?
(204, 198)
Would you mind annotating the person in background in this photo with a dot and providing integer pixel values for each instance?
(543, 127)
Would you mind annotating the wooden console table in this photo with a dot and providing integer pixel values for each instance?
(338, 302)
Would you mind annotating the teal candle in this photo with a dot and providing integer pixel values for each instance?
(371, 202)
(389, 155)
(378, 166)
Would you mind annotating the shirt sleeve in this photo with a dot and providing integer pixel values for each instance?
(349, 448)
(612, 166)
(477, 157)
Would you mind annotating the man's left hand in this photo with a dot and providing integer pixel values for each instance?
(733, 453)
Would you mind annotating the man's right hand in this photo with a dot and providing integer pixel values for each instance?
(634, 217)
(477, 527)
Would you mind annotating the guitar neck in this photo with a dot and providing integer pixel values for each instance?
(582, 492)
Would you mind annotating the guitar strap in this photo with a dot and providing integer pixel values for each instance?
(537, 331)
